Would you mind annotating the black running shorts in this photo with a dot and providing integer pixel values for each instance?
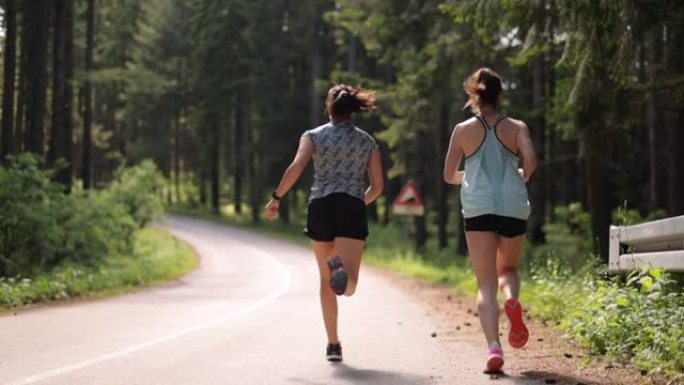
(504, 226)
(336, 215)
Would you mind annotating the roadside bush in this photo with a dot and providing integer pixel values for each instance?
(641, 319)
(137, 188)
(95, 226)
(568, 240)
(41, 226)
(30, 209)
(155, 256)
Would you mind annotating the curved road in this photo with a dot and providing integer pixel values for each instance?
(248, 315)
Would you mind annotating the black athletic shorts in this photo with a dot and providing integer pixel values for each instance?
(336, 215)
(505, 226)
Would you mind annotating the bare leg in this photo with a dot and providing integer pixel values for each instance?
(508, 258)
(323, 250)
(350, 251)
(482, 249)
(509, 251)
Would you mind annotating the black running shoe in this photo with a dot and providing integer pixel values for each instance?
(338, 276)
(334, 353)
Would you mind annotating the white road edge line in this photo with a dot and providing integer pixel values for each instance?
(285, 284)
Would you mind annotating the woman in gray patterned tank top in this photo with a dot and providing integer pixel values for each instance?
(343, 155)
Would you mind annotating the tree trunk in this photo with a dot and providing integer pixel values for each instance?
(652, 153)
(9, 57)
(253, 188)
(675, 61)
(598, 177)
(203, 188)
(392, 186)
(538, 184)
(65, 175)
(553, 169)
(20, 116)
(420, 182)
(316, 114)
(421, 230)
(55, 150)
(238, 144)
(36, 21)
(653, 121)
(176, 154)
(284, 209)
(353, 53)
(253, 179)
(254, 185)
(461, 243)
(215, 167)
(676, 190)
(87, 167)
(442, 141)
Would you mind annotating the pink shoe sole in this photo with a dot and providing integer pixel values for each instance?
(518, 333)
(495, 362)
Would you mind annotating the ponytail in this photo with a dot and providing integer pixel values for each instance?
(483, 88)
(343, 101)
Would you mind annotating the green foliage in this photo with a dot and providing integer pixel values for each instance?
(31, 207)
(42, 227)
(641, 319)
(624, 216)
(552, 288)
(93, 226)
(137, 189)
(568, 240)
(156, 256)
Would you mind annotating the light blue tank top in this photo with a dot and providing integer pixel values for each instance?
(492, 184)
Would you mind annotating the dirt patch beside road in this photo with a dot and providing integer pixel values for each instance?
(549, 356)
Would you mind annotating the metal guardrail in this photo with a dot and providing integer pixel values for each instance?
(659, 244)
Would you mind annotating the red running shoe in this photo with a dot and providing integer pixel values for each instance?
(518, 333)
(495, 361)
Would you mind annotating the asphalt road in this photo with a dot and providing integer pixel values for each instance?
(248, 315)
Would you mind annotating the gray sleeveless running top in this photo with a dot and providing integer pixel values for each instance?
(341, 155)
(492, 184)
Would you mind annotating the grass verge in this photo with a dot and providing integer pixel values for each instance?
(157, 256)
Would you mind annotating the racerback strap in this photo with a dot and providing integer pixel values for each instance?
(484, 122)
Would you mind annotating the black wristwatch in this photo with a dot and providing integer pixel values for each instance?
(275, 196)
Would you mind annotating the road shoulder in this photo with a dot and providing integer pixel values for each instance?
(550, 356)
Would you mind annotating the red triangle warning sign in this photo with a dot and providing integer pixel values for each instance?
(408, 202)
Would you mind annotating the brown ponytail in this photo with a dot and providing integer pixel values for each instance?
(343, 101)
(483, 88)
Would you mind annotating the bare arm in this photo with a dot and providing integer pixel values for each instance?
(526, 148)
(453, 159)
(376, 178)
(291, 174)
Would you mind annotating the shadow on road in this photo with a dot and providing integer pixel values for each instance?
(377, 377)
(550, 377)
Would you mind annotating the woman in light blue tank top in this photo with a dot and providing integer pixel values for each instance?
(495, 204)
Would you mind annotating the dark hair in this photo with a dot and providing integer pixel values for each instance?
(483, 87)
(343, 100)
